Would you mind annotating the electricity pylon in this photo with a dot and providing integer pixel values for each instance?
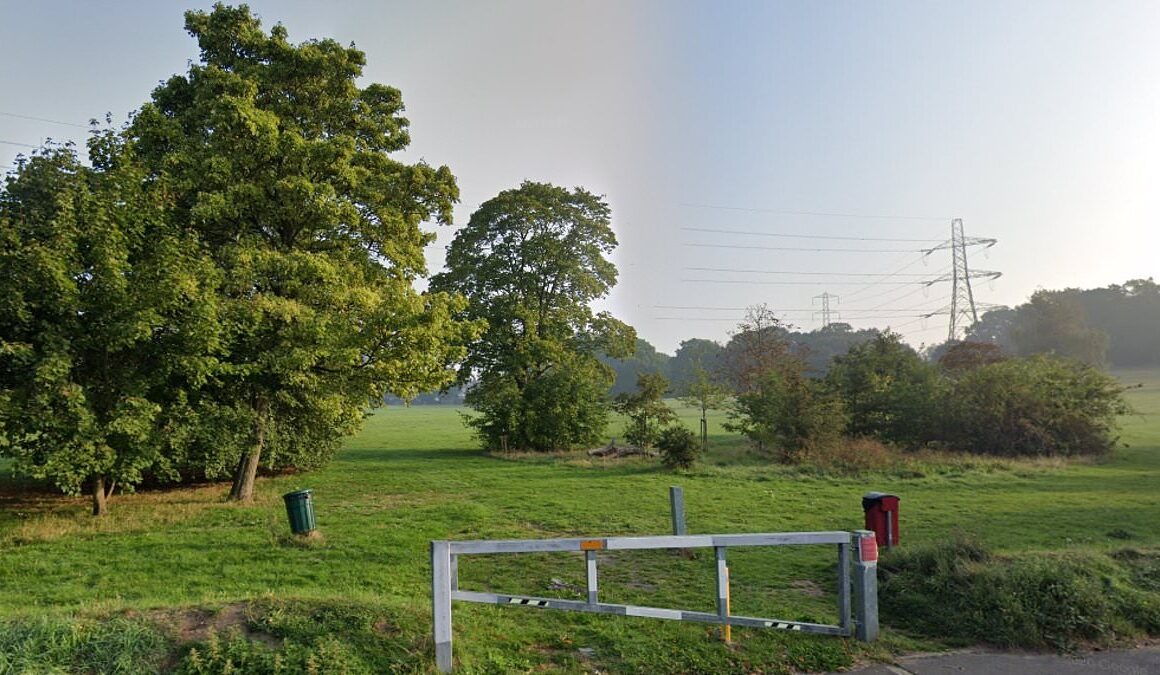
(963, 311)
(825, 298)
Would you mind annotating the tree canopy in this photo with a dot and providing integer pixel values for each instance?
(280, 164)
(104, 306)
(254, 194)
(531, 261)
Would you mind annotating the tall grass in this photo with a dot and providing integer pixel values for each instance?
(59, 645)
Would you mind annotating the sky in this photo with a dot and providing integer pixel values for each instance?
(752, 152)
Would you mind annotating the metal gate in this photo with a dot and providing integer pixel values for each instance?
(855, 549)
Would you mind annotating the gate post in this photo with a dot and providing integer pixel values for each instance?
(865, 585)
(441, 602)
(677, 506)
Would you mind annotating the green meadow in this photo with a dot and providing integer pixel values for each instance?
(182, 580)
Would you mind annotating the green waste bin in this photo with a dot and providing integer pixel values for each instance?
(300, 508)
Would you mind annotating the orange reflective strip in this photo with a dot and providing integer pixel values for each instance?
(592, 545)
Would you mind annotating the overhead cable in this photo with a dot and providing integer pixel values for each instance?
(42, 119)
(830, 214)
(803, 236)
(812, 250)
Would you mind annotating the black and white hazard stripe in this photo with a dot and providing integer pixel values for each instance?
(782, 626)
(527, 601)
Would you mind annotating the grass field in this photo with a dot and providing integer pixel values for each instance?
(184, 567)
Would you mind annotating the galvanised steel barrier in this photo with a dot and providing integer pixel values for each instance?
(855, 549)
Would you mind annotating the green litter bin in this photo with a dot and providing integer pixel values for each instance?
(300, 508)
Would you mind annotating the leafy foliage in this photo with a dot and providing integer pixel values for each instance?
(1055, 323)
(963, 357)
(679, 447)
(280, 165)
(704, 392)
(958, 590)
(1038, 405)
(645, 409)
(645, 359)
(887, 390)
(531, 261)
(775, 405)
(1118, 324)
(105, 306)
(695, 358)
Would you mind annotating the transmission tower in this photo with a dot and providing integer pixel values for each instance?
(963, 312)
(825, 298)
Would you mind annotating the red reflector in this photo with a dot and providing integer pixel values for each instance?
(869, 549)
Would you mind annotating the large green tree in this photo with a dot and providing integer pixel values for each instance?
(1054, 322)
(280, 164)
(531, 262)
(775, 404)
(104, 306)
(888, 391)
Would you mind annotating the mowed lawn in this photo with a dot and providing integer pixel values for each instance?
(414, 475)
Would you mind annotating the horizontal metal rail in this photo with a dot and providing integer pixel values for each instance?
(445, 581)
(641, 543)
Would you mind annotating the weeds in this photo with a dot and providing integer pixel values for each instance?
(959, 591)
(43, 644)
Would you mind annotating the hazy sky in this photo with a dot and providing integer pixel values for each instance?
(1037, 123)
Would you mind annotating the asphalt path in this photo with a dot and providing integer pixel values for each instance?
(1139, 661)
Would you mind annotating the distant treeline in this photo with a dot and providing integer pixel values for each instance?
(1117, 326)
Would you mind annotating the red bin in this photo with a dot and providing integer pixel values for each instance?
(882, 517)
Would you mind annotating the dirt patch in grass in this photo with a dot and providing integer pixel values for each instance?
(195, 624)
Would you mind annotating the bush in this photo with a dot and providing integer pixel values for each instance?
(562, 408)
(679, 447)
(645, 409)
(958, 591)
(887, 391)
(1038, 405)
(786, 413)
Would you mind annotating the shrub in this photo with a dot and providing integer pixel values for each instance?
(887, 391)
(958, 591)
(786, 413)
(645, 409)
(1038, 405)
(679, 447)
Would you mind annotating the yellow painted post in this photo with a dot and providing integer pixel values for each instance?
(728, 628)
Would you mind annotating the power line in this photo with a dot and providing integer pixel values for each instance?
(898, 272)
(811, 213)
(803, 236)
(922, 284)
(812, 250)
(815, 274)
(42, 119)
(784, 309)
(916, 317)
(23, 145)
(904, 295)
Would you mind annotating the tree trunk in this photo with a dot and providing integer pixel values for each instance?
(247, 471)
(100, 498)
